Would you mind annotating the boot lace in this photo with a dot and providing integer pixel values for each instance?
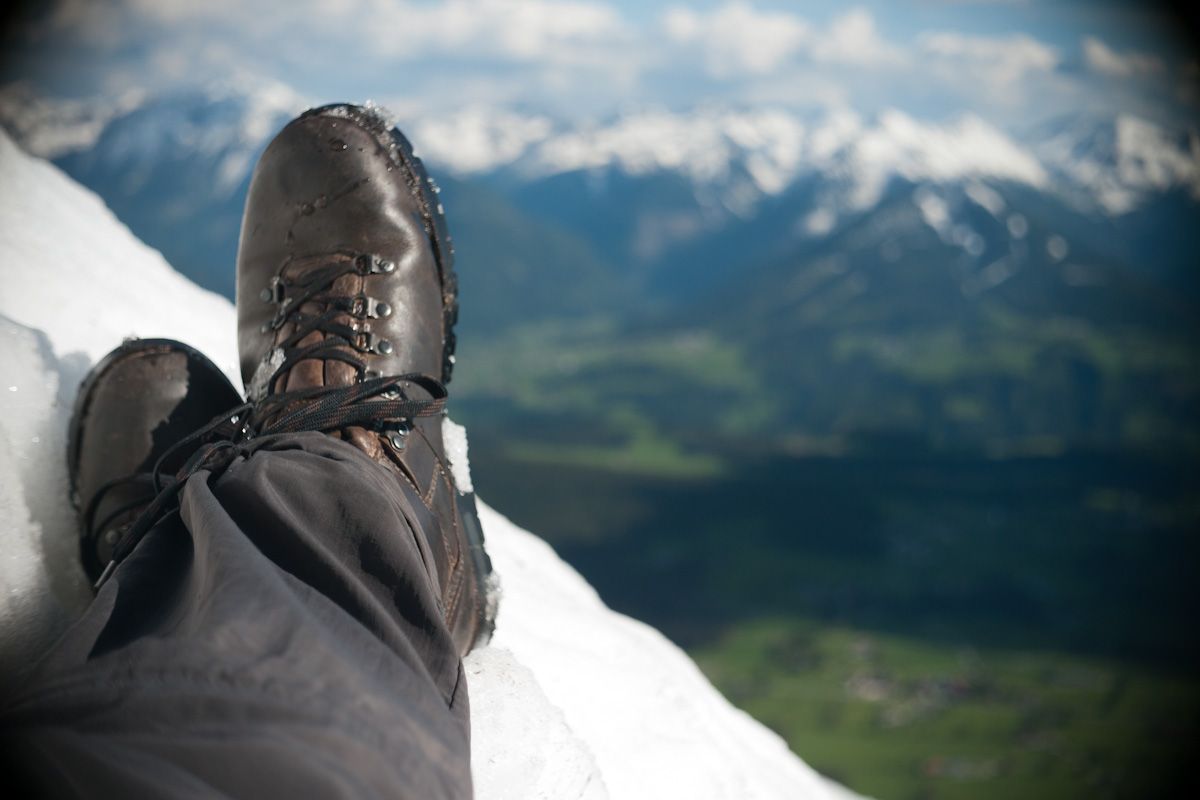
(376, 403)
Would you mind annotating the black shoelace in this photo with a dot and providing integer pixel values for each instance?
(341, 341)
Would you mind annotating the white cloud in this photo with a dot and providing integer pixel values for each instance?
(571, 57)
(575, 54)
(1001, 61)
(854, 39)
(520, 30)
(736, 38)
(1103, 59)
(997, 72)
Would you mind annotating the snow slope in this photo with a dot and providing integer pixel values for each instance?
(571, 700)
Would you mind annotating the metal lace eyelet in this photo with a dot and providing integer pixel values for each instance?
(363, 306)
(367, 342)
(368, 264)
(274, 291)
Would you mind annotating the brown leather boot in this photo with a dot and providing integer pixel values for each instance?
(134, 409)
(346, 304)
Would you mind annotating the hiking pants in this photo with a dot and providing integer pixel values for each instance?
(278, 636)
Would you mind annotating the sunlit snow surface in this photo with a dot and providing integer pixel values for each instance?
(571, 700)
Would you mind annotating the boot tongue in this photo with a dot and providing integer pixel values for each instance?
(323, 373)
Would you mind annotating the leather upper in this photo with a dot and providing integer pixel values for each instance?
(328, 188)
(133, 406)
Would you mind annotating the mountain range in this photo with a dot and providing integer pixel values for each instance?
(892, 422)
(947, 280)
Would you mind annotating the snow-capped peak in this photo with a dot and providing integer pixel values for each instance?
(50, 128)
(732, 157)
(967, 148)
(230, 113)
(718, 147)
(704, 145)
(1114, 164)
(477, 139)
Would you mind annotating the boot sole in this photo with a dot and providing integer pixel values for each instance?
(481, 563)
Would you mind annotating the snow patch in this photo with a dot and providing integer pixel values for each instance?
(36, 602)
(454, 438)
(986, 197)
(934, 211)
(529, 749)
(820, 221)
(655, 724)
(57, 268)
(270, 364)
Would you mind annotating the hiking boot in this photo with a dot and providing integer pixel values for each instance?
(133, 408)
(346, 304)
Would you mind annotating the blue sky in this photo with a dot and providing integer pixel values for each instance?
(1013, 63)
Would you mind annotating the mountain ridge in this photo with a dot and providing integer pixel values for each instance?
(707, 144)
(900, 258)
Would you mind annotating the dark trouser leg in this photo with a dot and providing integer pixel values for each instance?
(280, 637)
